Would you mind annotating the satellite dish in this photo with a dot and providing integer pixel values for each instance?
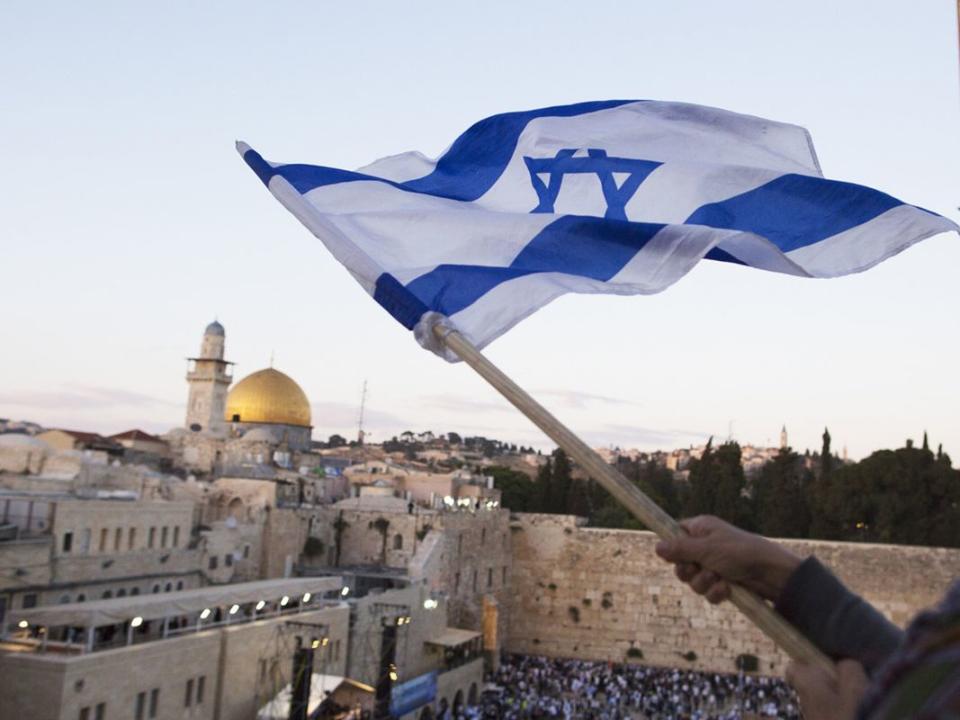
(196, 428)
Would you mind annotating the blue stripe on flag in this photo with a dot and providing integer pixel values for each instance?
(466, 171)
(590, 247)
(794, 211)
(393, 297)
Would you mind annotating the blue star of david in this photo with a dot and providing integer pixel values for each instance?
(596, 163)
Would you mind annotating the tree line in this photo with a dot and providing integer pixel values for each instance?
(908, 496)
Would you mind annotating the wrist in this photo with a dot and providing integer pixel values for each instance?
(775, 570)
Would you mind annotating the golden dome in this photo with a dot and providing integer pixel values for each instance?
(268, 396)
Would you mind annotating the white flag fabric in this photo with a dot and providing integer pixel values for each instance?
(616, 196)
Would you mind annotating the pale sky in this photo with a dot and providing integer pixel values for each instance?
(128, 222)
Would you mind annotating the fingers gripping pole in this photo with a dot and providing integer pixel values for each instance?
(794, 643)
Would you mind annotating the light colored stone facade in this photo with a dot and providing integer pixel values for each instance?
(100, 548)
(242, 667)
(594, 593)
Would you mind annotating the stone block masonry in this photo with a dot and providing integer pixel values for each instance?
(605, 595)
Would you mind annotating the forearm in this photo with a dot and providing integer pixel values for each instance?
(839, 622)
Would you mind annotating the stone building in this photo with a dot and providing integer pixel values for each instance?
(64, 549)
(217, 653)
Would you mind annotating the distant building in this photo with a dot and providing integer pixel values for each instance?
(79, 440)
(140, 441)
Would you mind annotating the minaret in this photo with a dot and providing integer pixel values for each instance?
(209, 376)
(783, 437)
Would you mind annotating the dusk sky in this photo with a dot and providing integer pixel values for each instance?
(129, 222)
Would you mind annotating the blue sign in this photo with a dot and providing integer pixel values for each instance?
(408, 696)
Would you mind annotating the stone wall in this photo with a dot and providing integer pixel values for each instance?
(594, 593)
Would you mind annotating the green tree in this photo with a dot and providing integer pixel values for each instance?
(517, 490)
(780, 497)
(702, 498)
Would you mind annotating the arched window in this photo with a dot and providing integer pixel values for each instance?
(168, 587)
(156, 588)
(398, 542)
(472, 695)
(135, 591)
(81, 597)
(107, 594)
(64, 599)
(121, 593)
(179, 584)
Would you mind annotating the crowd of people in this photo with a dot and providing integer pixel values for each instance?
(538, 687)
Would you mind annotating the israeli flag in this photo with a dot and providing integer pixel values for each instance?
(618, 196)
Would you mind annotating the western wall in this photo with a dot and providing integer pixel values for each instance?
(605, 595)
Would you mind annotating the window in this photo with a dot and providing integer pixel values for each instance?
(163, 536)
(117, 539)
(176, 536)
(456, 582)
(504, 580)
(228, 559)
(29, 601)
(201, 681)
(101, 712)
(67, 541)
(398, 542)
(84, 713)
(246, 552)
(81, 597)
(131, 538)
(107, 594)
(168, 587)
(121, 593)
(135, 591)
(103, 539)
(483, 536)
(489, 577)
(141, 705)
(151, 537)
(179, 584)
(154, 700)
(156, 588)
(474, 580)
(213, 562)
(188, 696)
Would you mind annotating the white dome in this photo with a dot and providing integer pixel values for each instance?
(260, 434)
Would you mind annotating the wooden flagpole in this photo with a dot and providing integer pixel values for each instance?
(793, 642)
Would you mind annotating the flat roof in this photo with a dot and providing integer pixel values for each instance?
(453, 637)
(160, 605)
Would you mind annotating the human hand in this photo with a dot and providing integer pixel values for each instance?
(714, 554)
(823, 697)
